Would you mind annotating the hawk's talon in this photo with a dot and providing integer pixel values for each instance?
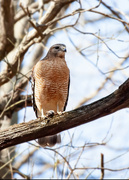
(42, 117)
(60, 113)
(48, 121)
(50, 113)
(43, 123)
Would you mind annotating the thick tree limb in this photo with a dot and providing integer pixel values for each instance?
(6, 24)
(23, 132)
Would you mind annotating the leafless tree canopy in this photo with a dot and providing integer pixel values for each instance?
(96, 35)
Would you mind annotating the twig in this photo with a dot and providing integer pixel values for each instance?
(32, 9)
(99, 168)
(15, 170)
(69, 166)
(102, 166)
(31, 22)
(112, 17)
(117, 15)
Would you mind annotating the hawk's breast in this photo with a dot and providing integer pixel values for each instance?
(51, 79)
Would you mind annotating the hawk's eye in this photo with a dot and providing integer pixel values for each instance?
(57, 47)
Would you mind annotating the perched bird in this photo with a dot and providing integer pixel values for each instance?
(51, 79)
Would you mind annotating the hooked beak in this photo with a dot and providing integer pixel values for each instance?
(64, 49)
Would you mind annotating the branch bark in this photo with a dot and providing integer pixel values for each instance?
(23, 132)
(6, 23)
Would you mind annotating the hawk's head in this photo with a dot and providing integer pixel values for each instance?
(57, 50)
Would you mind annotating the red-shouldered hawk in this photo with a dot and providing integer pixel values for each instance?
(51, 78)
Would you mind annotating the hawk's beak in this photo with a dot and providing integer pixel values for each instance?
(64, 49)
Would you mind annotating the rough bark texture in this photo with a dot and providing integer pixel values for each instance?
(6, 24)
(23, 132)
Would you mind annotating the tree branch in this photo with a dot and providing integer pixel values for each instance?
(6, 23)
(23, 132)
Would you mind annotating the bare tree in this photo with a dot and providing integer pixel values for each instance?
(96, 34)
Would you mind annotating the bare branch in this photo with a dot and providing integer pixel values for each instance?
(117, 15)
(15, 170)
(20, 14)
(112, 17)
(25, 158)
(26, 11)
(102, 166)
(14, 101)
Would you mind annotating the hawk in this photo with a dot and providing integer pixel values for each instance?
(51, 79)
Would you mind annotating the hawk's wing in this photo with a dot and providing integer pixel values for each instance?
(67, 94)
(33, 93)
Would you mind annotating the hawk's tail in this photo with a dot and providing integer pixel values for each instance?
(50, 140)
